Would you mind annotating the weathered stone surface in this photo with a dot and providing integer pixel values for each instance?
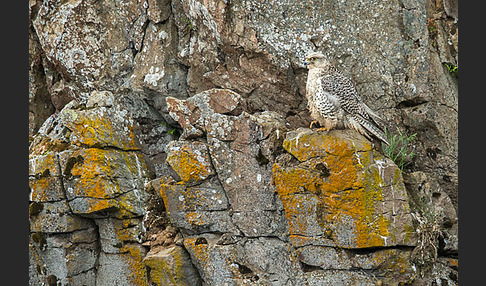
(45, 179)
(48, 252)
(203, 197)
(171, 266)
(391, 265)
(330, 193)
(352, 195)
(233, 73)
(192, 114)
(95, 128)
(337, 277)
(88, 41)
(259, 261)
(435, 210)
(56, 217)
(40, 103)
(190, 160)
(231, 140)
(99, 180)
(87, 162)
(125, 268)
(200, 208)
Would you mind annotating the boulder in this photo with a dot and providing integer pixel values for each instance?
(118, 88)
(87, 176)
(256, 202)
(171, 266)
(342, 192)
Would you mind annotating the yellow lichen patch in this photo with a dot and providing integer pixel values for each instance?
(305, 146)
(167, 266)
(96, 205)
(451, 262)
(133, 258)
(125, 230)
(165, 188)
(91, 172)
(348, 195)
(44, 165)
(300, 212)
(100, 127)
(195, 219)
(191, 165)
(200, 251)
(294, 180)
(46, 189)
(163, 192)
(96, 175)
(308, 144)
(160, 271)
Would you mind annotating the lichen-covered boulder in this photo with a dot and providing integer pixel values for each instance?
(87, 176)
(171, 266)
(342, 193)
(258, 203)
(231, 75)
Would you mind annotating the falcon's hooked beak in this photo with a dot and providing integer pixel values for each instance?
(306, 63)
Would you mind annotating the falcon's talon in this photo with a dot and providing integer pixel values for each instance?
(313, 123)
(322, 129)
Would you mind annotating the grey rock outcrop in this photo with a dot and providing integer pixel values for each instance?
(167, 144)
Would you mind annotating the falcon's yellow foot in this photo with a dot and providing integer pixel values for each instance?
(314, 122)
(323, 129)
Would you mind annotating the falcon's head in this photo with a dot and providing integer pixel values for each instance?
(316, 60)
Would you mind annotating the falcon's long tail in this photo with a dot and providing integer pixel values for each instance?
(366, 126)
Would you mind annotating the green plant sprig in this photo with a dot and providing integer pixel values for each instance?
(453, 70)
(398, 148)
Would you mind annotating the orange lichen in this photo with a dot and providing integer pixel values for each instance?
(133, 258)
(44, 188)
(200, 251)
(345, 193)
(295, 180)
(194, 218)
(309, 145)
(96, 175)
(166, 266)
(190, 167)
(100, 128)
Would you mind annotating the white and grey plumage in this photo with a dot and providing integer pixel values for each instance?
(334, 102)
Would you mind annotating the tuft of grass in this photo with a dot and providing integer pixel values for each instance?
(172, 131)
(453, 70)
(398, 148)
(188, 23)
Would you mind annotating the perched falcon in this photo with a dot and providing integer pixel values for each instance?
(333, 101)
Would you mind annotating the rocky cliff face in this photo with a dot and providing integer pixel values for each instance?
(168, 144)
